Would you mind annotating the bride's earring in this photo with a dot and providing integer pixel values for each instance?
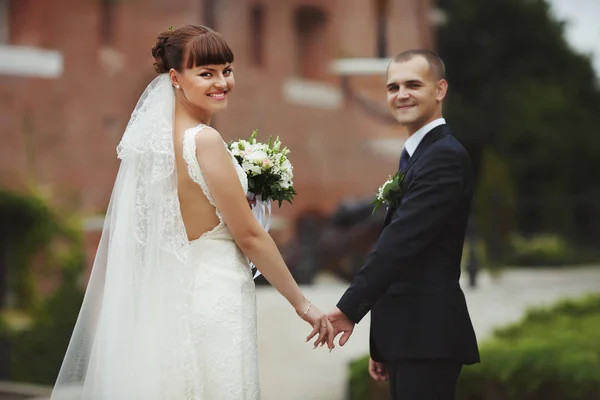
(176, 86)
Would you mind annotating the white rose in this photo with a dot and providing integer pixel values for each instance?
(250, 168)
(286, 174)
(267, 164)
(286, 166)
(258, 156)
(286, 183)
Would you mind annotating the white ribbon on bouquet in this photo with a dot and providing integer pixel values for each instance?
(262, 212)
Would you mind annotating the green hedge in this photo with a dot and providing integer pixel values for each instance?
(37, 353)
(548, 250)
(552, 354)
(540, 250)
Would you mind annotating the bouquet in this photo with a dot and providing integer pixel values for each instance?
(268, 169)
(269, 175)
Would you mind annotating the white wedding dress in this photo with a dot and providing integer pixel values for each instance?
(223, 308)
(163, 318)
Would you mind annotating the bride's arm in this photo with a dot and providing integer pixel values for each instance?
(223, 182)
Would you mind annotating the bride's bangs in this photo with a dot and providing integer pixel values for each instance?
(208, 49)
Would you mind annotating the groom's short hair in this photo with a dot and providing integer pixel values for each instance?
(435, 62)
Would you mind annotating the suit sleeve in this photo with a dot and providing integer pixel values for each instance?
(431, 196)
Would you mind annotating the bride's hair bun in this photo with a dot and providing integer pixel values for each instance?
(189, 46)
(161, 64)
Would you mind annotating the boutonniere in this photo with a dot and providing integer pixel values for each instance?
(390, 193)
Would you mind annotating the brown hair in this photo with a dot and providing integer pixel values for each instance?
(435, 62)
(188, 47)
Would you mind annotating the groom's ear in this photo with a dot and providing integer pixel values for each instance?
(441, 90)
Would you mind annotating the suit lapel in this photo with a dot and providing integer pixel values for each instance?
(434, 135)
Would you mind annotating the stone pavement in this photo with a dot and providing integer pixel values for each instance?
(291, 370)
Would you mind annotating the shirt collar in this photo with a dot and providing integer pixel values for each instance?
(413, 141)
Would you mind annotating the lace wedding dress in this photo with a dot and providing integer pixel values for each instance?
(223, 303)
(163, 318)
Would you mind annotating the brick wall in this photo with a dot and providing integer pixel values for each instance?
(61, 133)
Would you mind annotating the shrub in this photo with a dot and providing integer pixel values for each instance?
(551, 354)
(37, 353)
(34, 331)
(540, 250)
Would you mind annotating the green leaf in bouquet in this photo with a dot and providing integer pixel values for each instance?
(252, 138)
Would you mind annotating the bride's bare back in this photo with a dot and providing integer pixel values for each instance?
(199, 216)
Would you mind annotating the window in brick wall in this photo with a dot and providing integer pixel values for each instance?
(4, 8)
(210, 13)
(107, 22)
(310, 24)
(381, 8)
(257, 21)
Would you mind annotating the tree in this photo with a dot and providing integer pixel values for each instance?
(518, 90)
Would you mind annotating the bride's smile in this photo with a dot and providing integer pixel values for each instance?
(220, 96)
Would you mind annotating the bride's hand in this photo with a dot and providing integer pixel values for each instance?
(321, 325)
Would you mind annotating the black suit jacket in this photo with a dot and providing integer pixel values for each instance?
(410, 281)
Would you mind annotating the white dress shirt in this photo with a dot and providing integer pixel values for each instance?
(413, 141)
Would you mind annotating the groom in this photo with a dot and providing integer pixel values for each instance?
(421, 332)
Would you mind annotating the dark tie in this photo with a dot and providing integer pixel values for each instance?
(404, 157)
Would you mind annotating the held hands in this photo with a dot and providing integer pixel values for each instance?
(328, 326)
(341, 324)
(321, 325)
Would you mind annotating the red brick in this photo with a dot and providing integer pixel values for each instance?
(62, 133)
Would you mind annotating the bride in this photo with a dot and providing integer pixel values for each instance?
(170, 307)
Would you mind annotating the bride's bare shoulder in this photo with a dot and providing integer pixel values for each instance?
(208, 138)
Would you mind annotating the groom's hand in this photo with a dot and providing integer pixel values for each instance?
(341, 323)
(377, 371)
